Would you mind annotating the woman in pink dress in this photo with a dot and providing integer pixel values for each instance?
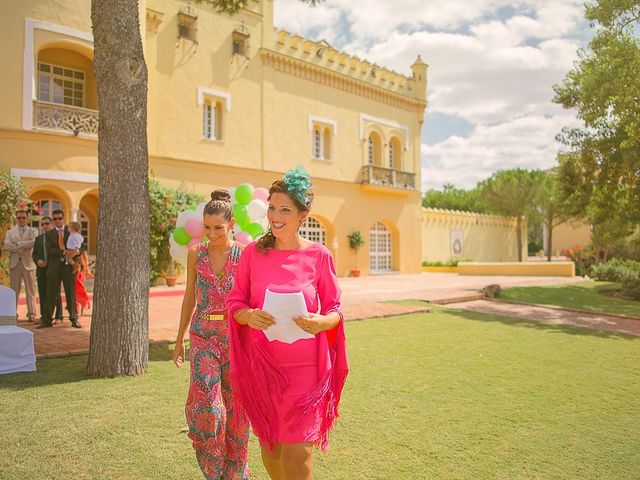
(219, 432)
(290, 392)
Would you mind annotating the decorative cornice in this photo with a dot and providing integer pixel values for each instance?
(340, 81)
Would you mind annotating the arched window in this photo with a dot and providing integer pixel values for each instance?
(395, 151)
(85, 224)
(379, 248)
(374, 148)
(313, 230)
(212, 120)
(392, 155)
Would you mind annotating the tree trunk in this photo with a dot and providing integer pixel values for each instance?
(549, 239)
(119, 343)
(519, 236)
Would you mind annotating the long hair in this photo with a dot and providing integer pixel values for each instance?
(268, 240)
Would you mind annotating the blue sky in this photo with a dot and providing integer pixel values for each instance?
(492, 66)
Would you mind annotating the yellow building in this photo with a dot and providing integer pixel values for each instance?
(231, 100)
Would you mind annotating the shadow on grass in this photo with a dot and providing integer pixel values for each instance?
(55, 371)
(535, 324)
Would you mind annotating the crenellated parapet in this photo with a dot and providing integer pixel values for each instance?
(318, 59)
(439, 216)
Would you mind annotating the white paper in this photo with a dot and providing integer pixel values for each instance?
(285, 306)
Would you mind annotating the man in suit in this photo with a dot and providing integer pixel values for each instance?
(58, 270)
(19, 243)
(40, 257)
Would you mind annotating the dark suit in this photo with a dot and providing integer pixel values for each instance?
(59, 271)
(39, 253)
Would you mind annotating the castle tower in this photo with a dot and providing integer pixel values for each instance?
(419, 69)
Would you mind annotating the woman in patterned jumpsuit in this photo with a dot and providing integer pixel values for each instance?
(219, 439)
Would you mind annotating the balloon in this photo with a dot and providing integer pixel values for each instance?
(200, 209)
(244, 193)
(232, 192)
(181, 236)
(178, 253)
(240, 214)
(244, 238)
(256, 209)
(254, 229)
(192, 208)
(194, 241)
(261, 193)
(185, 216)
(194, 228)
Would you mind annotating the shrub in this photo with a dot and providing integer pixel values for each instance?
(626, 272)
(582, 257)
(452, 262)
(165, 205)
(13, 196)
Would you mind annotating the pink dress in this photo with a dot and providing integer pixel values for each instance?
(219, 433)
(289, 391)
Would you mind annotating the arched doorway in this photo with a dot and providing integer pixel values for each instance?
(313, 230)
(380, 256)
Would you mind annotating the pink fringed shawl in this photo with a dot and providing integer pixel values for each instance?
(258, 382)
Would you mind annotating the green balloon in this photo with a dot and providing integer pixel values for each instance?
(192, 208)
(254, 229)
(181, 236)
(244, 193)
(240, 214)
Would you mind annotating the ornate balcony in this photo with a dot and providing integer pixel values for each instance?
(388, 177)
(58, 117)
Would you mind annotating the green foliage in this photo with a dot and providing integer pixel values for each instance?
(626, 272)
(600, 176)
(513, 192)
(232, 6)
(452, 262)
(582, 257)
(13, 196)
(355, 240)
(452, 198)
(165, 205)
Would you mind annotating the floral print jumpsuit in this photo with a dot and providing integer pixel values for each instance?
(220, 443)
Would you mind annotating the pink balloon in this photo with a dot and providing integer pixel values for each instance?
(194, 228)
(261, 194)
(194, 241)
(244, 238)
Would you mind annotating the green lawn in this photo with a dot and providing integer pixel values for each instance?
(583, 295)
(445, 395)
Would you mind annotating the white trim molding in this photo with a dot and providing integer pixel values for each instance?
(327, 121)
(54, 175)
(29, 60)
(382, 121)
(203, 92)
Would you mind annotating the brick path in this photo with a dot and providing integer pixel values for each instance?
(559, 316)
(361, 299)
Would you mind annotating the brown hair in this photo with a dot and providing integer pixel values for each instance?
(220, 204)
(268, 240)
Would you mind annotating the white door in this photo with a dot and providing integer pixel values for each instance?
(379, 248)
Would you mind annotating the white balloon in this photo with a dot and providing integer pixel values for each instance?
(185, 216)
(265, 223)
(236, 228)
(200, 209)
(179, 253)
(256, 209)
(232, 191)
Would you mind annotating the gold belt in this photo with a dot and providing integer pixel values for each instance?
(214, 317)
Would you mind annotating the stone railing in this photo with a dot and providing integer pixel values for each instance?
(373, 175)
(58, 117)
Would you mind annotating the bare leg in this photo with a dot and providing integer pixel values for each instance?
(271, 461)
(296, 461)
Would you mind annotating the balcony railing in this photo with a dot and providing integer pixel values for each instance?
(390, 177)
(58, 117)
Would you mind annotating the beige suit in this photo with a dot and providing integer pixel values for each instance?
(19, 244)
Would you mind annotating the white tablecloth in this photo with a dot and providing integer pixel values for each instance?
(16, 350)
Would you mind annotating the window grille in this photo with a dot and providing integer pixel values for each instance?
(62, 85)
(313, 230)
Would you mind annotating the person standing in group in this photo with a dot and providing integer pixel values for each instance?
(219, 433)
(59, 271)
(290, 391)
(40, 258)
(83, 300)
(19, 243)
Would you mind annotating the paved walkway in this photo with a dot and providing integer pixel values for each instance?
(361, 299)
(558, 316)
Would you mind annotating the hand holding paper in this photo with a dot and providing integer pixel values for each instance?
(284, 307)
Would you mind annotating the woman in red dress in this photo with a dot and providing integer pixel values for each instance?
(82, 297)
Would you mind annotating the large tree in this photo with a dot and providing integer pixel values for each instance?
(601, 173)
(551, 209)
(452, 198)
(119, 342)
(512, 193)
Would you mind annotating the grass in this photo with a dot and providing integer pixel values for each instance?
(585, 296)
(446, 395)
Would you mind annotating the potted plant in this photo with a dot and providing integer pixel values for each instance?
(171, 277)
(355, 242)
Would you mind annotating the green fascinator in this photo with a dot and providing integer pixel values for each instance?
(298, 184)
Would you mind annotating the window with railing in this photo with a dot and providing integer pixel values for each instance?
(58, 84)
